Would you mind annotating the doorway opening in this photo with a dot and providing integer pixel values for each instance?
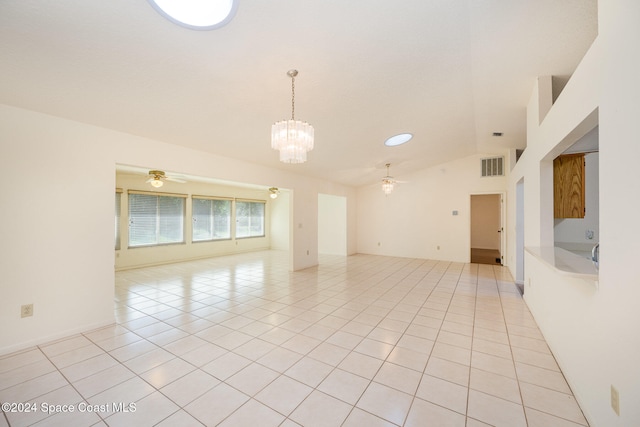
(486, 229)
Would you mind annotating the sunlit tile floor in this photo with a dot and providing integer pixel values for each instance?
(358, 341)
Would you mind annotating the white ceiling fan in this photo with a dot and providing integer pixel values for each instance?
(157, 178)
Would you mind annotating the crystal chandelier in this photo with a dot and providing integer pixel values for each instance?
(292, 137)
(388, 182)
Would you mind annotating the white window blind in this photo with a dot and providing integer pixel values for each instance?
(155, 219)
(249, 219)
(211, 219)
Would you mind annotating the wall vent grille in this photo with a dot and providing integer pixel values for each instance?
(493, 166)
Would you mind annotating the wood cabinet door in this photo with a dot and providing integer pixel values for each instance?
(568, 186)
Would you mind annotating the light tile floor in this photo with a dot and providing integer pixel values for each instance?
(358, 341)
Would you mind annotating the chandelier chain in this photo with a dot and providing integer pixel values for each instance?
(293, 97)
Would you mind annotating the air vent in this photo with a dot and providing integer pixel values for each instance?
(492, 166)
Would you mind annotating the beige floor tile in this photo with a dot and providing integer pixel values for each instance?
(204, 354)
(361, 364)
(284, 394)
(373, 348)
(129, 391)
(167, 372)
(552, 402)
(76, 355)
(385, 402)
(306, 345)
(321, 410)
(542, 377)
(457, 340)
(149, 411)
(103, 380)
(216, 404)
(408, 358)
(453, 353)
(24, 373)
(251, 414)
(492, 348)
(280, 359)
(530, 357)
(444, 393)
(28, 390)
(20, 359)
(180, 418)
(496, 385)
(359, 418)
(301, 344)
(425, 414)
(252, 379)
(88, 367)
(344, 385)
(309, 371)
(495, 411)
(66, 395)
(398, 377)
(225, 366)
(489, 363)
(188, 388)
(541, 419)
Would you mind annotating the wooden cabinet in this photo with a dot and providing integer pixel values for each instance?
(568, 186)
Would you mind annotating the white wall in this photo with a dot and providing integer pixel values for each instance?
(332, 224)
(280, 221)
(57, 217)
(592, 329)
(145, 256)
(417, 220)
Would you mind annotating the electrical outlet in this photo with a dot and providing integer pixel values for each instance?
(615, 400)
(26, 310)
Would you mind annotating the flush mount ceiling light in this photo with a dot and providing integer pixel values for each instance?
(388, 182)
(273, 192)
(292, 138)
(197, 14)
(398, 139)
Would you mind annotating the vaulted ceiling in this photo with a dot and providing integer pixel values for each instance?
(451, 72)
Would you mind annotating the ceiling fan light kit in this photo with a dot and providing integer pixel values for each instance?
(388, 182)
(293, 138)
(158, 177)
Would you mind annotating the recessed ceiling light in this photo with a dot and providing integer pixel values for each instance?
(398, 139)
(197, 14)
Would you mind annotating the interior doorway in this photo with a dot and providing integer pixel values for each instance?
(486, 229)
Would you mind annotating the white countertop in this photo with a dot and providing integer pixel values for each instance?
(565, 262)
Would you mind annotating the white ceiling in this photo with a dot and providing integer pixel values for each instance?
(451, 72)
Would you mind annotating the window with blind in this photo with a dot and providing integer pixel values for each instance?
(118, 204)
(155, 219)
(249, 219)
(211, 219)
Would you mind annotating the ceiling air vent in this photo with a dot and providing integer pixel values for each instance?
(492, 166)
